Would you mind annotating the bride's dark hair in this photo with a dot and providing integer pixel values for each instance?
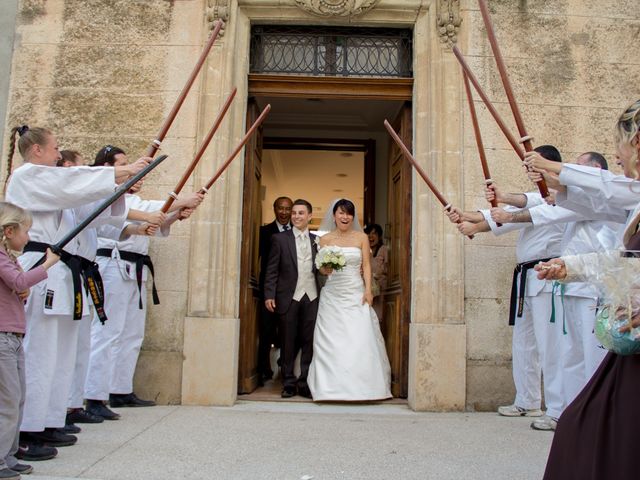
(346, 205)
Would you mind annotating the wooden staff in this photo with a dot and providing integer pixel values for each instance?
(203, 147)
(506, 83)
(242, 143)
(494, 113)
(542, 186)
(154, 146)
(421, 172)
(486, 17)
(476, 130)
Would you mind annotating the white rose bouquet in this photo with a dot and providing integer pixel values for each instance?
(331, 257)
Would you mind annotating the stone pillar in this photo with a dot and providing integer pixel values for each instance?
(437, 345)
(211, 334)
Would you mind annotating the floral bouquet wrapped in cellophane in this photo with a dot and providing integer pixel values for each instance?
(331, 257)
(617, 276)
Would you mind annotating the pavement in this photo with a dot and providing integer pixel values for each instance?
(301, 441)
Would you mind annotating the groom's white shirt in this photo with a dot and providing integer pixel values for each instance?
(306, 280)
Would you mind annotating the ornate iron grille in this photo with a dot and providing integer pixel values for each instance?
(331, 51)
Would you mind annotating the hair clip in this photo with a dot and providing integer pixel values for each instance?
(23, 129)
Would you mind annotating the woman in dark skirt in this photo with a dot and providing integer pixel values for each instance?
(597, 434)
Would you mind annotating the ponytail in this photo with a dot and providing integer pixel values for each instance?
(12, 149)
(28, 138)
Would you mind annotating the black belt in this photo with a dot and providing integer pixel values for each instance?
(517, 295)
(82, 270)
(140, 260)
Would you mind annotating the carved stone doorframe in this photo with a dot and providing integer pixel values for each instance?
(437, 352)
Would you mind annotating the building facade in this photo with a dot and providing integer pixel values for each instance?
(109, 71)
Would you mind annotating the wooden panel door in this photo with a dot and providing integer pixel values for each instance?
(397, 296)
(249, 264)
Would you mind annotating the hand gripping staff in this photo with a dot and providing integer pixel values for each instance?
(154, 146)
(242, 143)
(542, 186)
(478, 135)
(486, 17)
(421, 172)
(203, 147)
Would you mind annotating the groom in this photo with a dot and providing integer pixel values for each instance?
(291, 291)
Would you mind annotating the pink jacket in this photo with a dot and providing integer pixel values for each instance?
(12, 281)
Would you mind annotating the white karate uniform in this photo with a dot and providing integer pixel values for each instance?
(114, 216)
(534, 347)
(115, 346)
(580, 354)
(599, 191)
(51, 193)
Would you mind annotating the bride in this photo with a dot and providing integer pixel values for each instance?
(349, 357)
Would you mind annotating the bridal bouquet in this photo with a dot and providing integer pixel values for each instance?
(616, 275)
(331, 257)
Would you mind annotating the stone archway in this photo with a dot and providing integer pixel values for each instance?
(437, 352)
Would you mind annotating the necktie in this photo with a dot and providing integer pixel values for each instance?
(285, 228)
(302, 243)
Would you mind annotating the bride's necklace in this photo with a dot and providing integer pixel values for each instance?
(344, 235)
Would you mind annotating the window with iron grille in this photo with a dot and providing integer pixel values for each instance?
(331, 51)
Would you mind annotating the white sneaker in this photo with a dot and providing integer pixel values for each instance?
(546, 423)
(515, 411)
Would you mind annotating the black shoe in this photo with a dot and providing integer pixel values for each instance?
(96, 407)
(119, 400)
(35, 452)
(70, 428)
(51, 437)
(288, 392)
(80, 415)
(304, 392)
(7, 474)
(22, 468)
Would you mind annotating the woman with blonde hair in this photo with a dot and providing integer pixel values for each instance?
(597, 431)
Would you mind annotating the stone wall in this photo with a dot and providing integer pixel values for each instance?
(8, 12)
(573, 68)
(108, 72)
(101, 71)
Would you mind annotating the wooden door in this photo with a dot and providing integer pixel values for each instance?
(249, 264)
(397, 299)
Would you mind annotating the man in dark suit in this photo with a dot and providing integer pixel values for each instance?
(268, 326)
(291, 290)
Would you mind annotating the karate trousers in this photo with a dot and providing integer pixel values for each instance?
(115, 346)
(580, 350)
(76, 395)
(50, 346)
(536, 351)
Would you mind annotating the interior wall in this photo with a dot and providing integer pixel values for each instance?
(382, 150)
(312, 175)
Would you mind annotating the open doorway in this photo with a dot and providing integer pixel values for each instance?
(319, 170)
(322, 149)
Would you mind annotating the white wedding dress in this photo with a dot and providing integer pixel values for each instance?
(349, 357)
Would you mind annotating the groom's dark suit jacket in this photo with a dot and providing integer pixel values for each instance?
(282, 269)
